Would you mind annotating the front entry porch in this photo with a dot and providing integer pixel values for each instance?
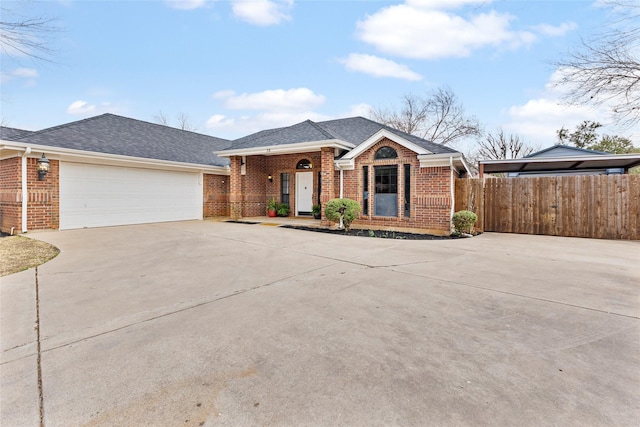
(299, 180)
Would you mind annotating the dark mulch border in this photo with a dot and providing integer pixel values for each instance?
(380, 234)
(242, 222)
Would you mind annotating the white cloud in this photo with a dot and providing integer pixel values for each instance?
(218, 121)
(222, 94)
(262, 12)
(83, 108)
(291, 100)
(557, 30)
(362, 110)
(25, 72)
(417, 32)
(379, 67)
(224, 127)
(185, 4)
(428, 29)
(80, 108)
(274, 108)
(444, 4)
(539, 119)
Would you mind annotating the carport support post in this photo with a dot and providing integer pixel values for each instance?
(235, 188)
(327, 178)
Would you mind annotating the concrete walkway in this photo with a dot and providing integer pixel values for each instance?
(213, 323)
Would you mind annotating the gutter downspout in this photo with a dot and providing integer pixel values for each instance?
(341, 226)
(25, 192)
(453, 193)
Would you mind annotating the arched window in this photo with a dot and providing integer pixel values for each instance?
(386, 153)
(304, 164)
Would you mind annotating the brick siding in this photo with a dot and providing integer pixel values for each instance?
(43, 196)
(430, 203)
(215, 200)
(10, 195)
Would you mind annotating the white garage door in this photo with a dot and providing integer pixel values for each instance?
(97, 196)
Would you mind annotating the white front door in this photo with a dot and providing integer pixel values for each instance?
(304, 192)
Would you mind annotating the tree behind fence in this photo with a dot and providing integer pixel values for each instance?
(597, 206)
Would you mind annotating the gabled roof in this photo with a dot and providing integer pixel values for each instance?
(353, 131)
(560, 150)
(113, 134)
(306, 131)
(8, 133)
(359, 129)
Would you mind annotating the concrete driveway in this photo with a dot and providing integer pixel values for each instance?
(210, 323)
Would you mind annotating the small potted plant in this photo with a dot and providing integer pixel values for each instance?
(272, 207)
(283, 209)
(316, 211)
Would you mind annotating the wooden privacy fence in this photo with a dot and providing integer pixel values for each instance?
(597, 206)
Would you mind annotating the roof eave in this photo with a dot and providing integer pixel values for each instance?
(378, 136)
(59, 153)
(589, 161)
(300, 147)
(443, 160)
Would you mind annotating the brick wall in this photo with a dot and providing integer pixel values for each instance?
(430, 192)
(215, 201)
(43, 201)
(10, 195)
(254, 187)
(44, 197)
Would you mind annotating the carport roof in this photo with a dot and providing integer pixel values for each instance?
(113, 134)
(560, 164)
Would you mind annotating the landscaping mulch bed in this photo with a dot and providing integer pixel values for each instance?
(381, 234)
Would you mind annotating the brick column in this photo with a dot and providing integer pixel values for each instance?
(327, 174)
(235, 188)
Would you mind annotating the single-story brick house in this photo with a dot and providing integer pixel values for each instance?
(400, 180)
(113, 170)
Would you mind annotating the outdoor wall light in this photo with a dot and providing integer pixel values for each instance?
(270, 178)
(43, 167)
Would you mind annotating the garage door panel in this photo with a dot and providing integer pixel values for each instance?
(95, 196)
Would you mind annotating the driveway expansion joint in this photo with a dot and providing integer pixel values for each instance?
(39, 352)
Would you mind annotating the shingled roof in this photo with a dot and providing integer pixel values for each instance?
(8, 133)
(354, 130)
(113, 134)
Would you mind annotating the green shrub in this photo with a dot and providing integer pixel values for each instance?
(463, 221)
(345, 209)
(282, 209)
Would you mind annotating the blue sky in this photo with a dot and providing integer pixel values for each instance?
(236, 67)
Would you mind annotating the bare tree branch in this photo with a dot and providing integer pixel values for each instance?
(499, 146)
(182, 121)
(606, 69)
(439, 118)
(161, 119)
(22, 35)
